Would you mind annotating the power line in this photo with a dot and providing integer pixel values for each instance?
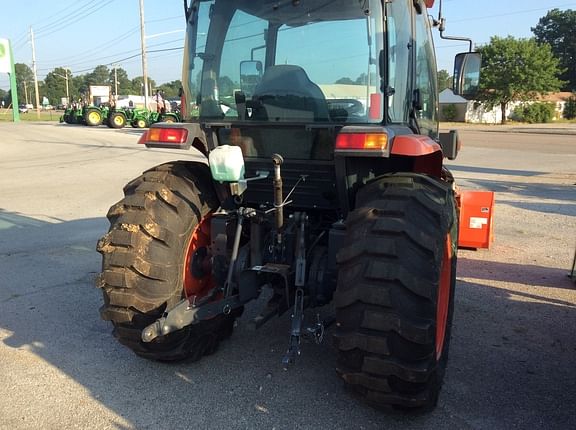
(105, 46)
(71, 13)
(476, 18)
(79, 16)
(65, 9)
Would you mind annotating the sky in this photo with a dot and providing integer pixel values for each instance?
(81, 34)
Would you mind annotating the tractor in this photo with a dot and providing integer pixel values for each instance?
(119, 117)
(316, 180)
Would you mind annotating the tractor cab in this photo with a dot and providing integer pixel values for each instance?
(295, 69)
(286, 62)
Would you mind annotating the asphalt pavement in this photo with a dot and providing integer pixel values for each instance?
(512, 359)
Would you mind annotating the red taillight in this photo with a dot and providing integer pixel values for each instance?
(362, 141)
(169, 136)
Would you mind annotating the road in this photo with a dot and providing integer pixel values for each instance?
(512, 362)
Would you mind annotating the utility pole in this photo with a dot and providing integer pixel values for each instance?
(144, 64)
(115, 80)
(67, 90)
(35, 74)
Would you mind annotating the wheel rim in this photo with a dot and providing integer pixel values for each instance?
(141, 123)
(118, 120)
(94, 117)
(170, 120)
(198, 284)
(443, 301)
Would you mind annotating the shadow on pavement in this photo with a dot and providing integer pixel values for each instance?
(511, 362)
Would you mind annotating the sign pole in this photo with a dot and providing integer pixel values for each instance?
(7, 66)
(13, 88)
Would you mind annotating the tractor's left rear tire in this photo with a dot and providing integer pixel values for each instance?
(395, 292)
(147, 260)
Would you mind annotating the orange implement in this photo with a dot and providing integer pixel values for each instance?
(476, 216)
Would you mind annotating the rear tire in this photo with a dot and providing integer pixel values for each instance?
(93, 117)
(144, 260)
(395, 293)
(117, 120)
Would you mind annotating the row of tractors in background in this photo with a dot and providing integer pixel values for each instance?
(116, 117)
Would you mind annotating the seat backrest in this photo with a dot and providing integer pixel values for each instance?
(285, 93)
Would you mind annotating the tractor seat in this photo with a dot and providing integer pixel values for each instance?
(285, 93)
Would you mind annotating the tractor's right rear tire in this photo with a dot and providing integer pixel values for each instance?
(147, 254)
(394, 298)
(93, 117)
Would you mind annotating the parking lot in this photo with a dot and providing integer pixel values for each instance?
(513, 352)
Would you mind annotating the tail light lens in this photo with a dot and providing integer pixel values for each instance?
(362, 141)
(167, 136)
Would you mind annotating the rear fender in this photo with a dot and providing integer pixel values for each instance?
(422, 153)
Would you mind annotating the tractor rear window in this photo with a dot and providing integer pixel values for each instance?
(299, 62)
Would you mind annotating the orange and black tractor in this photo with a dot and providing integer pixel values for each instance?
(314, 176)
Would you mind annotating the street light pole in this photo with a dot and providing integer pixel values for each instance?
(67, 90)
(115, 80)
(66, 69)
(35, 74)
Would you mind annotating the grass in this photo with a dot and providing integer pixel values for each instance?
(50, 115)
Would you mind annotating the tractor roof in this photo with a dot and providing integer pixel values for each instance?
(302, 12)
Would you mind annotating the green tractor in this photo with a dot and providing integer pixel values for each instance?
(120, 117)
(73, 115)
(87, 115)
(308, 192)
(169, 117)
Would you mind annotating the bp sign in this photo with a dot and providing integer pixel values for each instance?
(5, 60)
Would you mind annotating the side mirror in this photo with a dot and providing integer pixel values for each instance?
(250, 76)
(467, 74)
(450, 144)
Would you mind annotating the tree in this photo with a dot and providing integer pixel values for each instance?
(4, 97)
(55, 85)
(24, 82)
(345, 81)
(171, 89)
(226, 86)
(444, 80)
(516, 70)
(557, 30)
(121, 77)
(138, 85)
(80, 86)
(570, 107)
(99, 76)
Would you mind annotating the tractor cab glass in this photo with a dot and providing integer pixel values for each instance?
(291, 61)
